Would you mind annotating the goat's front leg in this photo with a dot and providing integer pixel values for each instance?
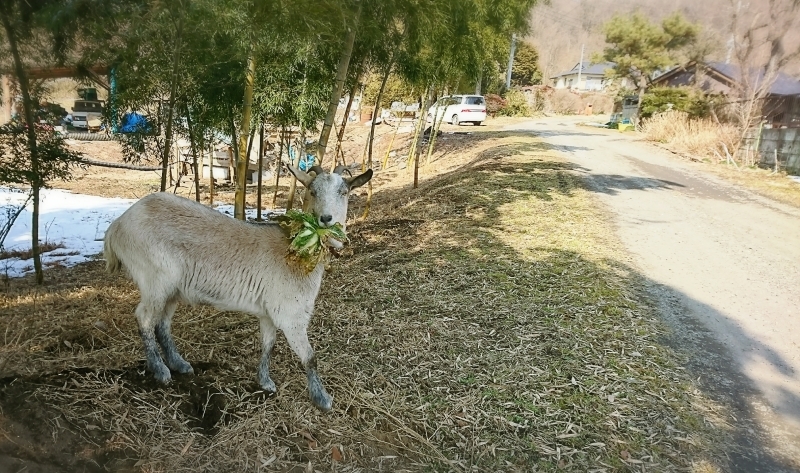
(268, 332)
(298, 340)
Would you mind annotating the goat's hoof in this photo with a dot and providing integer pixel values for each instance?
(268, 385)
(182, 367)
(162, 375)
(322, 400)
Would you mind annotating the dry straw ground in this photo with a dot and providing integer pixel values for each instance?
(483, 322)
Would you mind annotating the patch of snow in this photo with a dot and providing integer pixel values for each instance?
(76, 221)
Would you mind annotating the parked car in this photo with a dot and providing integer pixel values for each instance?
(84, 111)
(457, 109)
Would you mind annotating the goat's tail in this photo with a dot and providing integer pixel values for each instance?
(113, 264)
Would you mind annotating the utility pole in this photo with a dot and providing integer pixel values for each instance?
(511, 60)
(580, 67)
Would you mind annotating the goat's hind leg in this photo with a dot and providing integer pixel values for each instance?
(268, 333)
(148, 314)
(163, 330)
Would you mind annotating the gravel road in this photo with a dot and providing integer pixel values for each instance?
(722, 265)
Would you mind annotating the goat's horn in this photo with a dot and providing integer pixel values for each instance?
(317, 169)
(339, 169)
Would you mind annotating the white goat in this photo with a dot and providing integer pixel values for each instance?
(176, 249)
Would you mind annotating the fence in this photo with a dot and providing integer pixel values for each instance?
(769, 143)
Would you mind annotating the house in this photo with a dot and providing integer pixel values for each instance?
(781, 107)
(592, 77)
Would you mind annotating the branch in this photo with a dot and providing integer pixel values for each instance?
(105, 164)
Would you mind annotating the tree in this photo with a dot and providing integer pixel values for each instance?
(526, 66)
(685, 99)
(760, 52)
(639, 48)
(41, 155)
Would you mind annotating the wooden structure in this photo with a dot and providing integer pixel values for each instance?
(94, 73)
(781, 107)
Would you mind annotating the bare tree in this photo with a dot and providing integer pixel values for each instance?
(761, 53)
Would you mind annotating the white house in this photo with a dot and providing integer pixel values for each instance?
(592, 77)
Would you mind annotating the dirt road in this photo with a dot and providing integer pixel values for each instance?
(722, 265)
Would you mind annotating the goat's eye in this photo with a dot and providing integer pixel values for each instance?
(313, 193)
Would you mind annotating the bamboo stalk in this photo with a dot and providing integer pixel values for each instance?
(260, 172)
(244, 160)
(391, 143)
(278, 165)
(211, 174)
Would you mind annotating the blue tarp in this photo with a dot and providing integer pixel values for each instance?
(304, 163)
(134, 123)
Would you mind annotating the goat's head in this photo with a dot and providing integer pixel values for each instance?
(327, 192)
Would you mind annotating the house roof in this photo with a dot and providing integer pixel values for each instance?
(784, 84)
(589, 69)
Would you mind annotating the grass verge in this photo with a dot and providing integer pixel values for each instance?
(703, 139)
(482, 322)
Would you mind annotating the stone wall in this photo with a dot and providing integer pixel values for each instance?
(786, 141)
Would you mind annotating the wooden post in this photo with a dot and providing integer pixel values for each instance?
(5, 114)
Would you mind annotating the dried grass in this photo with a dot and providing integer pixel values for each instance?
(700, 137)
(28, 252)
(571, 102)
(483, 322)
(702, 140)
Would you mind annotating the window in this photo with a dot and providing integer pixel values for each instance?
(474, 101)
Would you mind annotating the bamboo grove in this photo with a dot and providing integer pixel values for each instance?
(206, 68)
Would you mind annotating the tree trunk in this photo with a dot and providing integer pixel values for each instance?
(391, 143)
(278, 167)
(173, 89)
(211, 174)
(260, 172)
(336, 93)
(416, 144)
(642, 89)
(295, 162)
(377, 109)
(233, 151)
(435, 126)
(36, 181)
(244, 160)
(340, 135)
(195, 164)
(412, 151)
(372, 135)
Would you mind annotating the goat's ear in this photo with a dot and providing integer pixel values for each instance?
(359, 180)
(300, 175)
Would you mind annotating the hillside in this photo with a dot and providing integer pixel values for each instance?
(558, 29)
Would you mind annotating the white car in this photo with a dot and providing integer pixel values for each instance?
(85, 111)
(457, 109)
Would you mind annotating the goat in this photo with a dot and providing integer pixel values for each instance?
(176, 249)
